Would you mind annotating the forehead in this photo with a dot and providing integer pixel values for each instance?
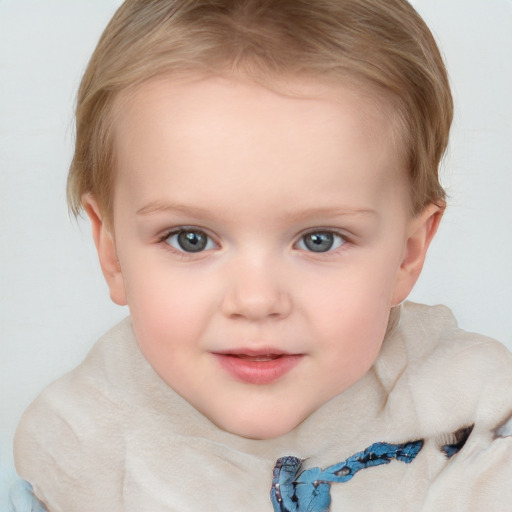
(371, 101)
(218, 124)
(188, 97)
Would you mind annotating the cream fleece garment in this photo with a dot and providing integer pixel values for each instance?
(112, 436)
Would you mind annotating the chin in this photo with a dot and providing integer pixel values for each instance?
(260, 430)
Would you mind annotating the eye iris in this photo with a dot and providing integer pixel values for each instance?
(192, 241)
(319, 242)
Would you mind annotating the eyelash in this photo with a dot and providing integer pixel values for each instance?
(163, 239)
(323, 231)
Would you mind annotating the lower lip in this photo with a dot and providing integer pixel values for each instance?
(257, 372)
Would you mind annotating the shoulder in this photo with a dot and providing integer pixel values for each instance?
(73, 402)
(64, 433)
(433, 339)
(452, 377)
(477, 478)
(432, 329)
(458, 382)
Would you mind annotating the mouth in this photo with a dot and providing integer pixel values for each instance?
(253, 367)
(262, 357)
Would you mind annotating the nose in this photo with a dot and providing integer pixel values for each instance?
(256, 291)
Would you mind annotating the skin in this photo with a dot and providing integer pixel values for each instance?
(255, 171)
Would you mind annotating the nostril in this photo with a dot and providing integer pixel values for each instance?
(256, 304)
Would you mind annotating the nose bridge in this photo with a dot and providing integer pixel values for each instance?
(256, 288)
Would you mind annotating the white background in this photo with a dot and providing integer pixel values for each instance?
(54, 303)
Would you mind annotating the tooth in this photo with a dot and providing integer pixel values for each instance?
(267, 357)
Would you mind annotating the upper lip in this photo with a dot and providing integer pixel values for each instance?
(254, 352)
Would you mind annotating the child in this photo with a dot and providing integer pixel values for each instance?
(261, 180)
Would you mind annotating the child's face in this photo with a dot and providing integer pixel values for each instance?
(262, 240)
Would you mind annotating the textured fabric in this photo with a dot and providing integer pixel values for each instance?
(22, 499)
(112, 436)
(297, 490)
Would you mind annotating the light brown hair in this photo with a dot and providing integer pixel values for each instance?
(381, 43)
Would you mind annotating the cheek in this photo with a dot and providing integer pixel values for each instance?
(354, 343)
(168, 308)
(352, 310)
(355, 329)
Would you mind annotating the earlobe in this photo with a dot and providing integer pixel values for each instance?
(421, 231)
(107, 254)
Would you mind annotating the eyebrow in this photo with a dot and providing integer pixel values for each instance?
(159, 206)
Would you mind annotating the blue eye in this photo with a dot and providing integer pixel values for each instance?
(190, 240)
(320, 241)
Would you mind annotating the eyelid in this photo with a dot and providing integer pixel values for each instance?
(336, 232)
(165, 235)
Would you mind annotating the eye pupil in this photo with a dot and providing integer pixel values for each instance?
(319, 242)
(192, 241)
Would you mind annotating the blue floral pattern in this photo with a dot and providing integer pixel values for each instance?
(294, 490)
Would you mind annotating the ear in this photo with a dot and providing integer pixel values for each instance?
(420, 232)
(107, 254)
